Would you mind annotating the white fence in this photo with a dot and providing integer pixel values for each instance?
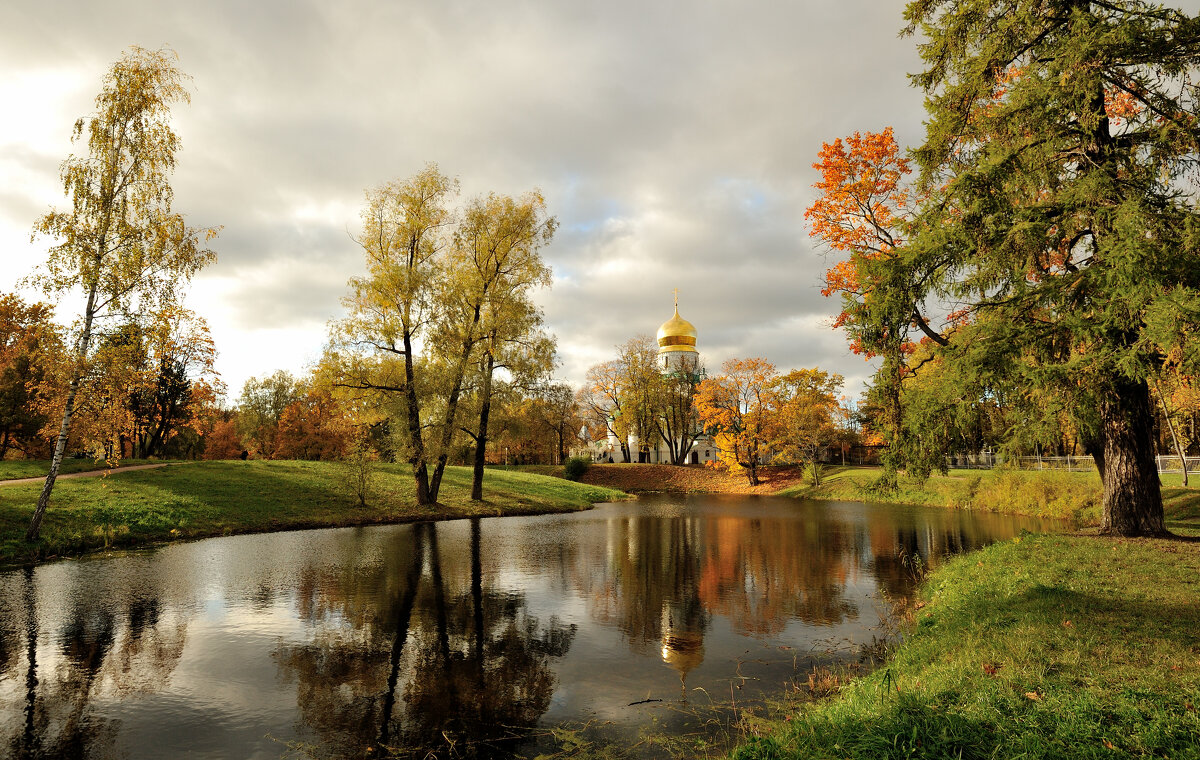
(1069, 464)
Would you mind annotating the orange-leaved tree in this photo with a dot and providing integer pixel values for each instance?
(31, 350)
(735, 407)
(314, 427)
(865, 204)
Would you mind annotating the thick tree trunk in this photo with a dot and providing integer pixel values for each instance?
(1132, 498)
(752, 471)
(485, 410)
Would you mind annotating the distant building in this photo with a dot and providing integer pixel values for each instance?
(677, 354)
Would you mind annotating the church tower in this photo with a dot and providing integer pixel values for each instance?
(677, 344)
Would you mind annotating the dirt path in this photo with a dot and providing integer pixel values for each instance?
(88, 474)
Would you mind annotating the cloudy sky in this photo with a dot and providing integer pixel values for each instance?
(673, 141)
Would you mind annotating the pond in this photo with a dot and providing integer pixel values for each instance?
(471, 638)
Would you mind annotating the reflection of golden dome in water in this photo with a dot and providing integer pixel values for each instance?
(676, 334)
(683, 650)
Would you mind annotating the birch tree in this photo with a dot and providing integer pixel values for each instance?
(119, 243)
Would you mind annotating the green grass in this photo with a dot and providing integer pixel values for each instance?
(12, 469)
(1042, 647)
(215, 498)
(1072, 496)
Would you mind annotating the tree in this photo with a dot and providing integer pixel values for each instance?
(261, 408)
(865, 205)
(120, 242)
(804, 416)
(400, 303)
(220, 437)
(602, 400)
(676, 422)
(179, 381)
(640, 388)
(315, 427)
(555, 411)
(1059, 141)
(736, 407)
(496, 253)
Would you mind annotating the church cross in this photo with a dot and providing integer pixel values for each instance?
(676, 291)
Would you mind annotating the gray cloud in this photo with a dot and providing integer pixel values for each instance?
(673, 142)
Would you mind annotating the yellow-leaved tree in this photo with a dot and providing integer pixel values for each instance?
(736, 407)
(805, 417)
(119, 243)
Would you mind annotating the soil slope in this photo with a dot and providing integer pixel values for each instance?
(641, 478)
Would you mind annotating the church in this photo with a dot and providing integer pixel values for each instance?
(676, 354)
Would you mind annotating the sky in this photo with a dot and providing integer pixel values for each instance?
(672, 141)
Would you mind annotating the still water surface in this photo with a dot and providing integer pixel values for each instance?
(485, 633)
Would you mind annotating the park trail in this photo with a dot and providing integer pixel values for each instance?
(88, 474)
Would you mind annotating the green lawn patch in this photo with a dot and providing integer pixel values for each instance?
(1040, 647)
(214, 498)
(1072, 496)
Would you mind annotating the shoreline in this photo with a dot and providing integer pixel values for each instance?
(1045, 646)
(155, 506)
(158, 503)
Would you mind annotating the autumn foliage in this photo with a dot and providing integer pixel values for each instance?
(863, 206)
(736, 407)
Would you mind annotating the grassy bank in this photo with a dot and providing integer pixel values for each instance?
(215, 498)
(1073, 496)
(1041, 647)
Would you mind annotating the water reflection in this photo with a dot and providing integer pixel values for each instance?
(438, 660)
(457, 638)
(94, 648)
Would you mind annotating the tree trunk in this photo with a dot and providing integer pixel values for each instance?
(485, 410)
(435, 480)
(412, 408)
(1174, 436)
(64, 430)
(1132, 498)
(893, 455)
(752, 471)
(1095, 447)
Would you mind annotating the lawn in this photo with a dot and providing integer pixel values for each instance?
(214, 498)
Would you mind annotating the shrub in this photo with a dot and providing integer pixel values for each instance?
(575, 468)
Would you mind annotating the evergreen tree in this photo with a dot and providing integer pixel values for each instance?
(1061, 144)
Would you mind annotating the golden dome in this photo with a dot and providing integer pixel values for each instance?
(677, 334)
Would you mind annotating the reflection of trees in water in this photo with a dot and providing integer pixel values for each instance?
(101, 649)
(903, 545)
(438, 657)
(664, 578)
(758, 573)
